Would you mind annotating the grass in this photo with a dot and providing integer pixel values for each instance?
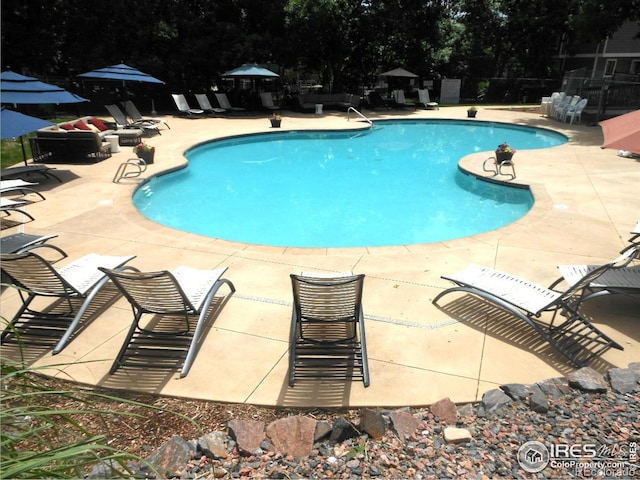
(49, 431)
(40, 442)
(11, 152)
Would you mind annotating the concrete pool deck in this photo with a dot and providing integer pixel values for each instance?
(586, 204)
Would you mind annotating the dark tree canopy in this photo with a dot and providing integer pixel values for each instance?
(342, 43)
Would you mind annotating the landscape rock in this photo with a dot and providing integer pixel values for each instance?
(446, 411)
(323, 430)
(403, 423)
(588, 380)
(342, 430)
(172, 456)
(292, 435)
(457, 435)
(623, 380)
(372, 423)
(494, 400)
(554, 387)
(517, 391)
(248, 434)
(538, 401)
(105, 469)
(479, 446)
(216, 443)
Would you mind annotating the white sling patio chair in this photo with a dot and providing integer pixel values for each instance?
(620, 279)
(205, 104)
(174, 297)
(137, 117)
(424, 99)
(183, 106)
(266, 99)
(223, 101)
(327, 334)
(7, 206)
(400, 100)
(19, 186)
(576, 337)
(122, 124)
(78, 281)
(635, 233)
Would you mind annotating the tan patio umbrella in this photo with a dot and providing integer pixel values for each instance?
(399, 72)
(622, 132)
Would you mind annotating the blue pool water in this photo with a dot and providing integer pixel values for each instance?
(396, 184)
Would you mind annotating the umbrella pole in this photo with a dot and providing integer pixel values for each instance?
(24, 152)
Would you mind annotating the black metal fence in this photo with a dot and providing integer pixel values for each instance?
(607, 96)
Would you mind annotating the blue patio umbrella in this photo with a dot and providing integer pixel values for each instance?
(15, 124)
(121, 72)
(250, 70)
(22, 90)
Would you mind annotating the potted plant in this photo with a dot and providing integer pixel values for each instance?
(471, 111)
(145, 152)
(276, 120)
(504, 153)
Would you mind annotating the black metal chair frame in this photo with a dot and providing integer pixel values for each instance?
(327, 333)
(161, 294)
(35, 277)
(576, 337)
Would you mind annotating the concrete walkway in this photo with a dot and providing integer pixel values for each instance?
(586, 204)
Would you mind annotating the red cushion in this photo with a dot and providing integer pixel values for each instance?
(67, 126)
(98, 124)
(80, 125)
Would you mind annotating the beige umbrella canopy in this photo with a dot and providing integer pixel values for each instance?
(622, 132)
(399, 72)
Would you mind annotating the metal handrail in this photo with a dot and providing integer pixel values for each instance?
(138, 165)
(350, 109)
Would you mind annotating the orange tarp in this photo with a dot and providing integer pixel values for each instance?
(622, 132)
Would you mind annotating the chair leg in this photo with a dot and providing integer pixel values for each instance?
(9, 329)
(293, 335)
(125, 344)
(195, 340)
(78, 317)
(363, 346)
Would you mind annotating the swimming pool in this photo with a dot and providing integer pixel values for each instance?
(395, 184)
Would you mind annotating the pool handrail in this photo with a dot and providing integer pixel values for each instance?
(352, 109)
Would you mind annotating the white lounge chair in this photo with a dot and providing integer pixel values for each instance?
(20, 186)
(34, 277)
(137, 117)
(635, 233)
(223, 101)
(266, 98)
(620, 279)
(7, 206)
(179, 295)
(123, 125)
(183, 106)
(205, 104)
(423, 97)
(400, 100)
(576, 337)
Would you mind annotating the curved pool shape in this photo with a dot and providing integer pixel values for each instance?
(395, 184)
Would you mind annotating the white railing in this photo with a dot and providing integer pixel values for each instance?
(352, 109)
